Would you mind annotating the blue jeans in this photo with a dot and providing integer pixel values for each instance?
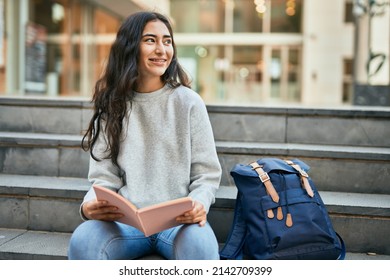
(98, 240)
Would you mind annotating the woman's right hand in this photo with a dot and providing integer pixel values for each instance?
(101, 210)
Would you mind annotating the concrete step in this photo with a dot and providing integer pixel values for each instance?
(16, 244)
(52, 204)
(329, 126)
(44, 115)
(333, 168)
(347, 148)
(357, 126)
(43, 154)
(41, 202)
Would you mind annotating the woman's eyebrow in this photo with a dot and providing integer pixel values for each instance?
(155, 36)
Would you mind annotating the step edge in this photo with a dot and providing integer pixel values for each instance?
(31, 254)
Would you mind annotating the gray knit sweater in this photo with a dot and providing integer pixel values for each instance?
(167, 151)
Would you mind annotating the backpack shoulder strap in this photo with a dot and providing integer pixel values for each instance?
(232, 250)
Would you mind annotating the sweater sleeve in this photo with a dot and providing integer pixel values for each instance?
(205, 166)
(102, 173)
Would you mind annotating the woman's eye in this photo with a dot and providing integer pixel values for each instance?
(149, 40)
(168, 42)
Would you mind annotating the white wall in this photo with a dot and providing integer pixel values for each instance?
(327, 40)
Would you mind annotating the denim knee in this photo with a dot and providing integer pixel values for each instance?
(96, 240)
(194, 242)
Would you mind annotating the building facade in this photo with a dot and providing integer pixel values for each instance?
(238, 52)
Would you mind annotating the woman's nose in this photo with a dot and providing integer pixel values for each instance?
(160, 47)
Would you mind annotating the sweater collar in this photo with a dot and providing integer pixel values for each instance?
(138, 96)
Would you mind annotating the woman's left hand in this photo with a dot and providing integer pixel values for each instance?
(196, 215)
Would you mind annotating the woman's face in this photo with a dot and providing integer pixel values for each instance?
(156, 52)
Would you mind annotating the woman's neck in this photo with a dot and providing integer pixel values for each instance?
(150, 86)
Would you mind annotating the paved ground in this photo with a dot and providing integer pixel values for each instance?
(23, 244)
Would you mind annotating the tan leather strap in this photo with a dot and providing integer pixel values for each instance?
(270, 190)
(304, 177)
(266, 181)
(289, 221)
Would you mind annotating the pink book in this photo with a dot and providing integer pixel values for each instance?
(150, 219)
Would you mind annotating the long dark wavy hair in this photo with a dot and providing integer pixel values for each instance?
(115, 89)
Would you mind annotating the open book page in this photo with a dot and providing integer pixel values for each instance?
(125, 206)
(162, 216)
(150, 219)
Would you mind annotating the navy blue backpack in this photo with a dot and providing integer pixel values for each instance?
(279, 214)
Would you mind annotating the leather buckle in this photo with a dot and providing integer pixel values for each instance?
(264, 177)
(303, 173)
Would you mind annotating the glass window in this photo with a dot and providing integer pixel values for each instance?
(246, 55)
(247, 16)
(286, 16)
(104, 24)
(73, 63)
(224, 74)
(284, 70)
(294, 75)
(347, 80)
(192, 16)
(50, 14)
(198, 62)
(61, 19)
(348, 13)
(275, 69)
(245, 76)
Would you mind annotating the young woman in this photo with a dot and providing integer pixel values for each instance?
(150, 140)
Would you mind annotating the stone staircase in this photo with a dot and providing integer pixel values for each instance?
(43, 170)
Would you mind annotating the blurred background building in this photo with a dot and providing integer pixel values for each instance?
(238, 52)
